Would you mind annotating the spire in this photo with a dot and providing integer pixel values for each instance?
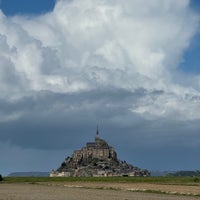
(97, 134)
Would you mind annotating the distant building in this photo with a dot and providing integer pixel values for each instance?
(98, 149)
(96, 159)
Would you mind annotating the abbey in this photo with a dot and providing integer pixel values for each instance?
(98, 149)
(97, 159)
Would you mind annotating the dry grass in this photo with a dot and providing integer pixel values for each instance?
(36, 188)
(83, 191)
(190, 190)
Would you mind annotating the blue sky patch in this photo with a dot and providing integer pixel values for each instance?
(23, 7)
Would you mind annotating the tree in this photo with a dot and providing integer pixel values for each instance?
(1, 178)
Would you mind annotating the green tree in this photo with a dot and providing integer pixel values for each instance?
(1, 178)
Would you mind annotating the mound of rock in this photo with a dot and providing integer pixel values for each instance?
(97, 159)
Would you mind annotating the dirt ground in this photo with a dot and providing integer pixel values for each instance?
(170, 189)
(87, 191)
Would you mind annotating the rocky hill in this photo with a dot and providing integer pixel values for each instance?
(28, 174)
(185, 173)
(97, 159)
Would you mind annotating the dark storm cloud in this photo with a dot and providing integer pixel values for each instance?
(90, 63)
(46, 115)
(57, 121)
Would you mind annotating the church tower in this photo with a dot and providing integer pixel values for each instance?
(97, 134)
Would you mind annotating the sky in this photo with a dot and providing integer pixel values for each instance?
(132, 68)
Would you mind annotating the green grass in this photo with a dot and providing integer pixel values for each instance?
(159, 180)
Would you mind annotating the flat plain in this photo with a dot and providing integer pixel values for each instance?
(107, 189)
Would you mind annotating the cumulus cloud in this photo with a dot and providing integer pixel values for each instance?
(84, 45)
(93, 61)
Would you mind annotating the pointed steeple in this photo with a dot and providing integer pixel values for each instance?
(97, 134)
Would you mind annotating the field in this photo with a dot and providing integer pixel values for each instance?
(14, 188)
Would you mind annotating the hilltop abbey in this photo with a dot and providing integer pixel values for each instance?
(96, 159)
(98, 149)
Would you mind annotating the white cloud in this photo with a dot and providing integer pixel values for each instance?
(169, 105)
(110, 62)
(93, 44)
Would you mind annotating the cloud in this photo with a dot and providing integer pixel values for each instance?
(82, 46)
(110, 36)
(16, 159)
(99, 62)
(49, 120)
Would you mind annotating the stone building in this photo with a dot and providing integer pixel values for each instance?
(98, 149)
(97, 159)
